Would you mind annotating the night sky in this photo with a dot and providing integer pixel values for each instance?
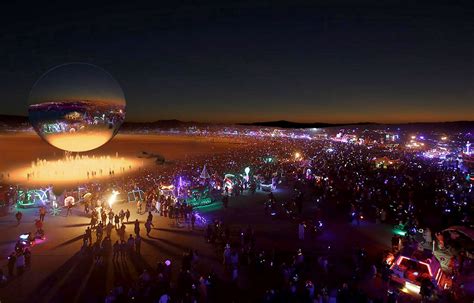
(378, 61)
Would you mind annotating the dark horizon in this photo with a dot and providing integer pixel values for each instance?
(25, 117)
(331, 62)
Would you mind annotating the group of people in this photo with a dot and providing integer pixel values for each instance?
(338, 180)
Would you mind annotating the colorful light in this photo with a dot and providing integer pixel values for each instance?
(412, 287)
(73, 169)
(112, 198)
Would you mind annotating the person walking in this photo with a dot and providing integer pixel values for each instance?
(150, 217)
(148, 226)
(89, 235)
(127, 214)
(18, 217)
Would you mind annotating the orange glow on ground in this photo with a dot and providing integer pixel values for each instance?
(74, 170)
(79, 141)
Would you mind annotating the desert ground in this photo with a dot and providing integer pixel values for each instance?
(19, 150)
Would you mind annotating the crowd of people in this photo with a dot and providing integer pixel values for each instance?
(328, 181)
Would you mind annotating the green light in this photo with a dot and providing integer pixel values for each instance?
(399, 232)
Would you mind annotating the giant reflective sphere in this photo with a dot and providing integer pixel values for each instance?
(76, 107)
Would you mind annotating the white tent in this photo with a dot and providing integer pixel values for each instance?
(204, 173)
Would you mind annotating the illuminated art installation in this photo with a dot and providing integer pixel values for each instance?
(135, 195)
(72, 169)
(76, 107)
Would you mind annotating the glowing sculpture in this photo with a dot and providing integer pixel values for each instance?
(76, 107)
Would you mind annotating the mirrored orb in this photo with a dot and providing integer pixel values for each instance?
(76, 107)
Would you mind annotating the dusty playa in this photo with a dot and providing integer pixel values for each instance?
(18, 151)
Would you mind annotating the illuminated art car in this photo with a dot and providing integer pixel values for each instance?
(410, 270)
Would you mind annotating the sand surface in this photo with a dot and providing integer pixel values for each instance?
(19, 150)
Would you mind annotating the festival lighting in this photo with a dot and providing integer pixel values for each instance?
(73, 169)
(247, 171)
(112, 198)
(412, 287)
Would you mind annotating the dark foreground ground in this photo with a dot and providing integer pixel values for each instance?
(59, 273)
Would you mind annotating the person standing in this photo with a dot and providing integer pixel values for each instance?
(158, 206)
(39, 226)
(117, 222)
(42, 213)
(139, 206)
(108, 229)
(137, 227)
(121, 216)
(99, 232)
(122, 233)
(103, 215)
(301, 228)
(89, 235)
(69, 209)
(111, 216)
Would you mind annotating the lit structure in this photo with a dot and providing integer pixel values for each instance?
(247, 171)
(437, 153)
(385, 162)
(33, 197)
(76, 107)
(168, 191)
(135, 195)
(410, 271)
(199, 196)
(297, 156)
(468, 156)
(229, 182)
(73, 169)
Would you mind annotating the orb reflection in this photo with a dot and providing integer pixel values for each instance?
(76, 107)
